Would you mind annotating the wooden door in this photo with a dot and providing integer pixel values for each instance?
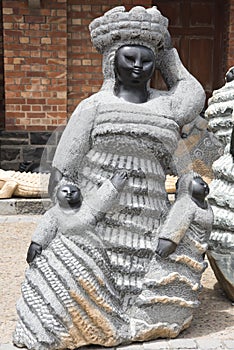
(197, 28)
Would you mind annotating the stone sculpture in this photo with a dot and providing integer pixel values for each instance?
(69, 199)
(221, 242)
(15, 183)
(172, 285)
(86, 286)
(220, 109)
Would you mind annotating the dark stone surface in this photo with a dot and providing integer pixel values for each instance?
(32, 154)
(17, 134)
(19, 147)
(11, 142)
(9, 154)
(10, 165)
(39, 138)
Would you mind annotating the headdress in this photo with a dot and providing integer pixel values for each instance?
(139, 26)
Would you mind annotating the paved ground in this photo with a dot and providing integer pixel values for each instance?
(212, 327)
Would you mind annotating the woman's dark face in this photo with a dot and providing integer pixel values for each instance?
(134, 64)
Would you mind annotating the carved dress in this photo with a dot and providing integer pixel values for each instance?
(136, 138)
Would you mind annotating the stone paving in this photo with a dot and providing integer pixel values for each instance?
(211, 329)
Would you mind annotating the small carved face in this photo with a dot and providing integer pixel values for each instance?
(134, 64)
(200, 189)
(230, 75)
(69, 195)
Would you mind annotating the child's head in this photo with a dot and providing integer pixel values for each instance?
(200, 188)
(69, 196)
(192, 183)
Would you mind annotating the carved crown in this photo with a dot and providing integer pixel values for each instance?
(139, 26)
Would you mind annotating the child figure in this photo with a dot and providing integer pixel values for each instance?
(173, 281)
(70, 203)
(191, 214)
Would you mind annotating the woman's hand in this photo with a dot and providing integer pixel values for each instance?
(165, 247)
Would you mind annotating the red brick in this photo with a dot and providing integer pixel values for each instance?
(36, 128)
(26, 108)
(34, 101)
(36, 115)
(35, 19)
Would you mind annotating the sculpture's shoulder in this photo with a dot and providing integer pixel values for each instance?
(161, 103)
(23, 184)
(90, 102)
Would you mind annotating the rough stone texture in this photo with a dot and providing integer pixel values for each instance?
(221, 242)
(220, 112)
(221, 250)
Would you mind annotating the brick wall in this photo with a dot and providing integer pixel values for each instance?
(50, 64)
(35, 60)
(2, 115)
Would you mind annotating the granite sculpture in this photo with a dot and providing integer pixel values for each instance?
(221, 242)
(88, 285)
(220, 110)
(15, 183)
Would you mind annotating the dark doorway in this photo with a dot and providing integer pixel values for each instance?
(198, 29)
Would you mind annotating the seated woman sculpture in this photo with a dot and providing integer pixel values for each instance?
(125, 126)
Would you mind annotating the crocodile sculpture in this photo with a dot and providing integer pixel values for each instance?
(17, 184)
